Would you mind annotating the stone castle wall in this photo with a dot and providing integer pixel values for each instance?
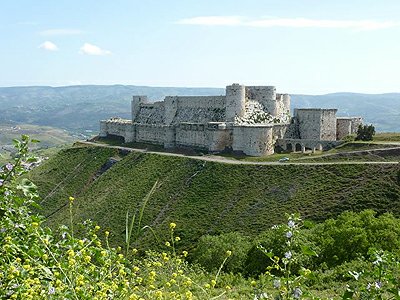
(328, 125)
(316, 123)
(150, 133)
(115, 126)
(191, 135)
(343, 126)
(254, 140)
(347, 125)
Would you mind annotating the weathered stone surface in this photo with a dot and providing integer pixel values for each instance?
(347, 125)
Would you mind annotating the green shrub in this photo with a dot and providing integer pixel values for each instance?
(352, 235)
(274, 240)
(365, 133)
(212, 250)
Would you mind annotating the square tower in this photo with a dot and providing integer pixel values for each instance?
(316, 123)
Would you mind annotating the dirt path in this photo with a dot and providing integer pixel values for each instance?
(237, 162)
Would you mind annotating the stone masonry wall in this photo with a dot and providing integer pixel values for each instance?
(347, 125)
(328, 125)
(150, 134)
(355, 123)
(266, 95)
(200, 109)
(199, 115)
(116, 126)
(201, 101)
(253, 140)
(153, 113)
(343, 127)
(309, 123)
(219, 136)
(193, 135)
(316, 123)
(279, 131)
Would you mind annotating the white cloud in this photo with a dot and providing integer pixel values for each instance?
(288, 22)
(60, 31)
(49, 46)
(93, 50)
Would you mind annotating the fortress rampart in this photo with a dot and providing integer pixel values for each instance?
(249, 119)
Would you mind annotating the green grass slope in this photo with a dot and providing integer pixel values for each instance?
(206, 197)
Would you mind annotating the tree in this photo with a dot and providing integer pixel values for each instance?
(365, 133)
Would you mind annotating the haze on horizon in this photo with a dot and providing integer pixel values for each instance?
(303, 46)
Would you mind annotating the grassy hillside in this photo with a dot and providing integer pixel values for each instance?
(206, 197)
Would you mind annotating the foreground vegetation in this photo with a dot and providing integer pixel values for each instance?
(355, 256)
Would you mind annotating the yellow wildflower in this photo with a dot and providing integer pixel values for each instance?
(35, 224)
(188, 295)
(213, 283)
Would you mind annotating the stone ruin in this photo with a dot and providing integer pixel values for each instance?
(254, 120)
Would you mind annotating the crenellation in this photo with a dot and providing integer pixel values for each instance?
(249, 119)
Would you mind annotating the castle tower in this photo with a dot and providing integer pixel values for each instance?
(266, 95)
(135, 104)
(235, 101)
(316, 123)
(286, 102)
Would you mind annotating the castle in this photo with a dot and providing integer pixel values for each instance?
(254, 120)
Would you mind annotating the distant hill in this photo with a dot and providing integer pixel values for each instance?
(79, 108)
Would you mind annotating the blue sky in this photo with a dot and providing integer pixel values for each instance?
(301, 46)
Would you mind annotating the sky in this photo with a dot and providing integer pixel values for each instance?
(300, 46)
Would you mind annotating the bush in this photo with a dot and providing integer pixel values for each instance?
(212, 250)
(353, 235)
(365, 133)
(275, 241)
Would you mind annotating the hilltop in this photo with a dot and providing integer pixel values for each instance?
(206, 197)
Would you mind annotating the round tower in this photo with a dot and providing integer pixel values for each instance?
(286, 102)
(235, 101)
